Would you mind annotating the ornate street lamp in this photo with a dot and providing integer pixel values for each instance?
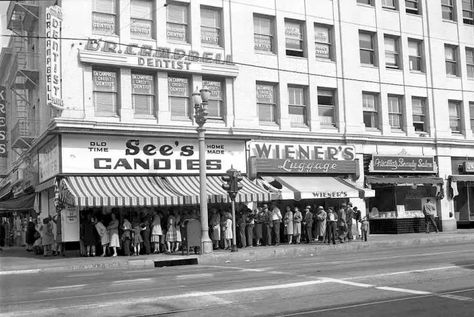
(200, 100)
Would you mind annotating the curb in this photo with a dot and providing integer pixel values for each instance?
(246, 255)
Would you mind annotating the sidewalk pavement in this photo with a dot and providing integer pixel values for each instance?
(17, 261)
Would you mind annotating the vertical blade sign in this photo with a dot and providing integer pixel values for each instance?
(53, 57)
(3, 122)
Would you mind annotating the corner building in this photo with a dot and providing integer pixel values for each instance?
(322, 102)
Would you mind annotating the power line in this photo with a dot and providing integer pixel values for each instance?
(252, 65)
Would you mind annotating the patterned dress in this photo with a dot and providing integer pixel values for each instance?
(171, 235)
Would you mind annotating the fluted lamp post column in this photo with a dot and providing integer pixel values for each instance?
(200, 100)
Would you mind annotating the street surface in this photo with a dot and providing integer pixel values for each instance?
(414, 281)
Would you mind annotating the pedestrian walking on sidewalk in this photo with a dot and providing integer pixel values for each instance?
(288, 223)
(429, 210)
(364, 228)
(297, 218)
(357, 217)
(308, 224)
(47, 236)
(331, 227)
(30, 234)
(59, 250)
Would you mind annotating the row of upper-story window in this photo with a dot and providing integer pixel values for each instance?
(105, 18)
(448, 8)
(416, 61)
(106, 96)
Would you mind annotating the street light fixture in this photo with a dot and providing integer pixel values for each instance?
(200, 100)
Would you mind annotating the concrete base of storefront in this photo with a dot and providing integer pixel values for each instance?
(449, 225)
(16, 260)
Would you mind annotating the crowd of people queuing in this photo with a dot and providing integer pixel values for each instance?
(151, 230)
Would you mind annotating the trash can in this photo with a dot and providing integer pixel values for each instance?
(192, 236)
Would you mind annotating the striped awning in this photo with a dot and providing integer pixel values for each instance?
(189, 187)
(118, 191)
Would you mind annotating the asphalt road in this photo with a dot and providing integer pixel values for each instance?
(415, 281)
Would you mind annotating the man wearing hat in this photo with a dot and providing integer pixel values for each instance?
(349, 216)
(341, 222)
(308, 223)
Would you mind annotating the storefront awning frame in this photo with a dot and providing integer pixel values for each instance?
(462, 178)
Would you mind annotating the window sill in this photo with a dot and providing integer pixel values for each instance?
(325, 60)
(397, 131)
(453, 76)
(369, 66)
(211, 46)
(450, 21)
(328, 127)
(398, 69)
(390, 9)
(299, 126)
(366, 5)
(422, 134)
(178, 42)
(147, 39)
(372, 130)
(269, 124)
(181, 119)
(296, 57)
(266, 53)
(418, 72)
(413, 14)
(144, 116)
(106, 115)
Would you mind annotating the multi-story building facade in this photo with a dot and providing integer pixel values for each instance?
(386, 85)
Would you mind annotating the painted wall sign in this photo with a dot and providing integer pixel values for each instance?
(402, 164)
(137, 155)
(157, 58)
(53, 57)
(301, 151)
(294, 166)
(3, 122)
(48, 160)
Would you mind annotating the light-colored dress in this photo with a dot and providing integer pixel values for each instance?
(288, 222)
(216, 227)
(113, 233)
(137, 237)
(297, 218)
(156, 232)
(102, 230)
(321, 223)
(171, 234)
(228, 229)
(47, 236)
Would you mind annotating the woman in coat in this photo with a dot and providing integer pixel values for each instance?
(104, 236)
(288, 221)
(112, 229)
(89, 236)
(30, 234)
(297, 218)
(47, 236)
(215, 224)
(321, 216)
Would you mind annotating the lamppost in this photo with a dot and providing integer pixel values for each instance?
(200, 100)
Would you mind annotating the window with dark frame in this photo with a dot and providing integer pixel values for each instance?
(143, 94)
(294, 38)
(297, 106)
(395, 111)
(104, 17)
(370, 109)
(451, 59)
(470, 62)
(392, 55)
(419, 114)
(327, 107)
(468, 11)
(367, 48)
(177, 22)
(105, 92)
(178, 98)
(448, 10)
(455, 116)
(415, 55)
(471, 112)
(367, 2)
(211, 26)
(215, 104)
(263, 33)
(389, 4)
(323, 41)
(266, 103)
(141, 19)
(412, 6)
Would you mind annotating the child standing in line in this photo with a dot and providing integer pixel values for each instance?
(137, 237)
(364, 228)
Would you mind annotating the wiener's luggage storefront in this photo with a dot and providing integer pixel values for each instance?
(137, 175)
(308, 173)
(402, 185)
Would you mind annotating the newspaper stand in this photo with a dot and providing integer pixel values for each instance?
(192, 236)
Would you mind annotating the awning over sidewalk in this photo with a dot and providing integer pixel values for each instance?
(21, 203)
(404, 180)
(118, 191)
(313, 187)
(462, 178)
(189, 186)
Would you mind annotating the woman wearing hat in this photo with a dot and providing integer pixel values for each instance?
(297, 218)
(321, 223)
